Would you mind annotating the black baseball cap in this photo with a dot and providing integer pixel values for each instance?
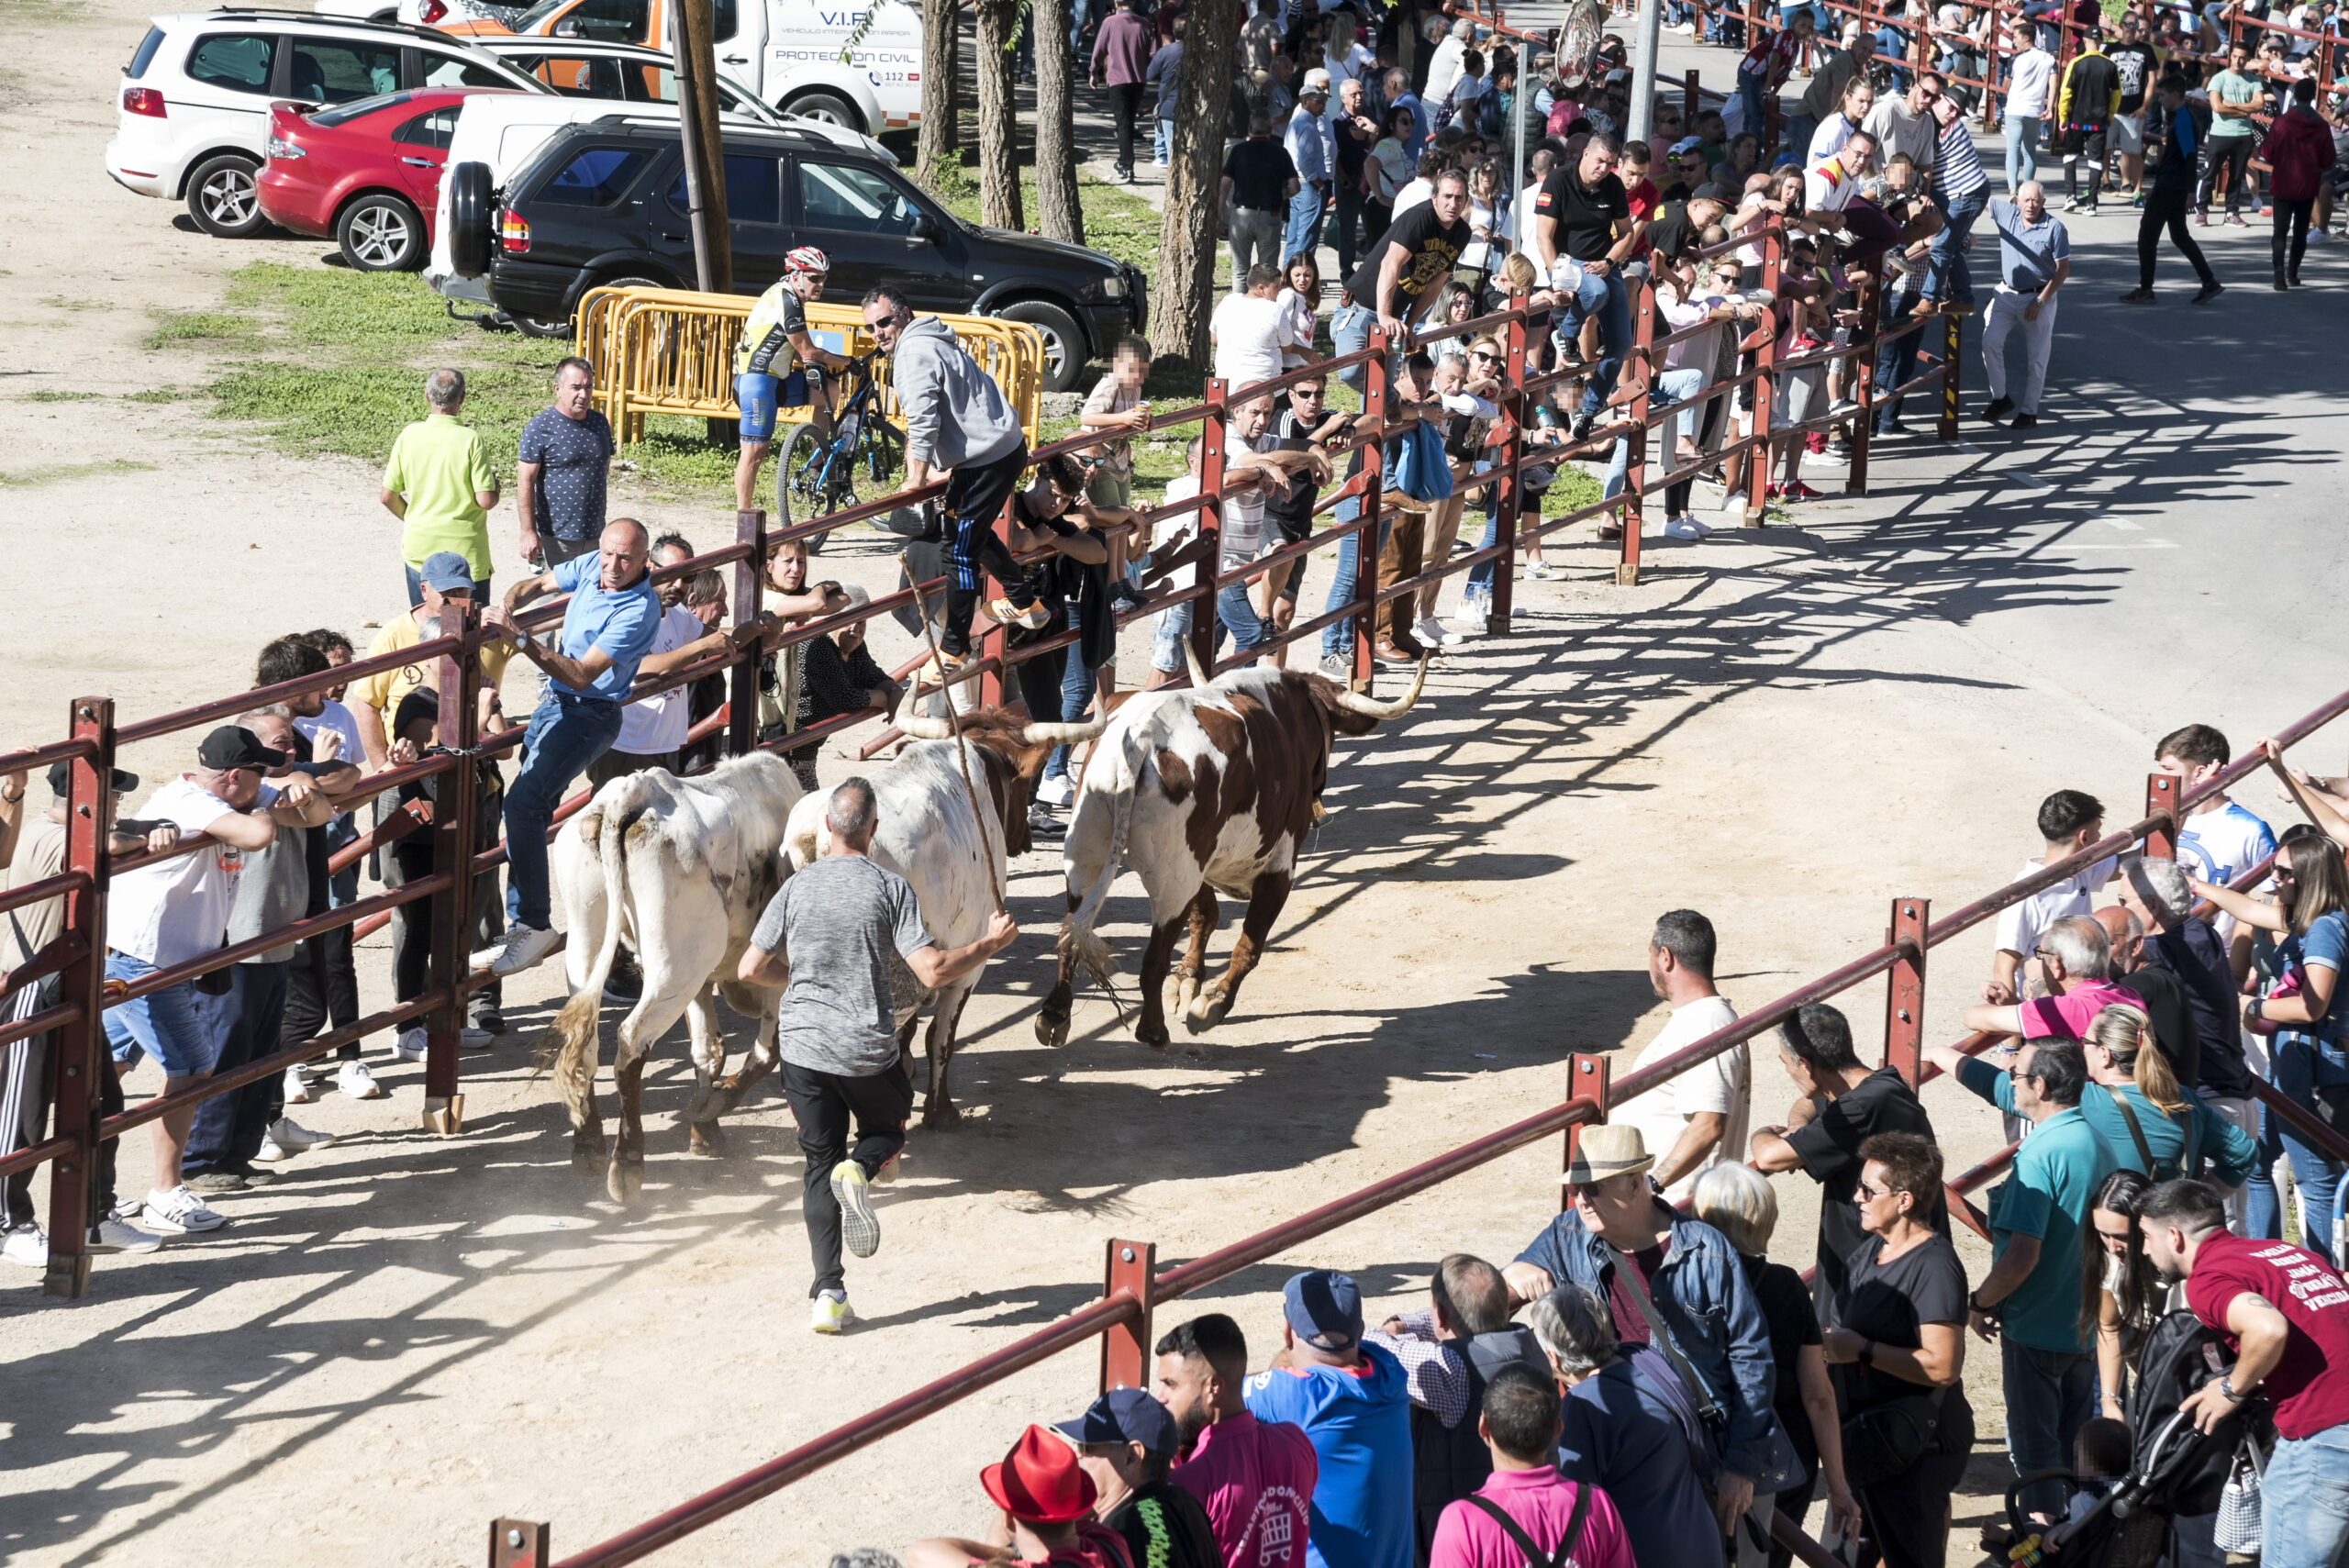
(1125, 1415)
(231, 747)
(1710, 192)
(60, 781)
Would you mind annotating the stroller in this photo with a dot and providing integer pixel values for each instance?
(2174, 1470)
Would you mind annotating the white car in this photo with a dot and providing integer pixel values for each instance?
(587, 68)
(193, 116)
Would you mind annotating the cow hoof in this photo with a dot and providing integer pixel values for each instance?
(627, 1178)
(1152, 1035)
(1205, 1011)
(587, 1154)
(707, 1106)
(705, 1137)
(1187, 991)
(1051, 1031)
(939, 1114)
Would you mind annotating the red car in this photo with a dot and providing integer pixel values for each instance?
(365, 173)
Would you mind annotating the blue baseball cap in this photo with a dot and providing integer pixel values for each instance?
(445, 571)
(1325, 1308)
(1125, 1415)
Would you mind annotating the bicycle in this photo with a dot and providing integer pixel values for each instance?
(818, 473)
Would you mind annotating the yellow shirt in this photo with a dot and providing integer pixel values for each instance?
(383, 690)
(441, 466)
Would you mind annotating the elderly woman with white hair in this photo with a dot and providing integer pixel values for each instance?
(1620, 1434)
(837, 675)
(1738, 1201)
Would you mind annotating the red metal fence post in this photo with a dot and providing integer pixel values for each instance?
(1995, 31)
(1951, 339)
(1586, 1078)
(454, 829)
(520, 1543)
(2161, 800)
(1366, 521)
(1904, 1002)
(1212, 436)
(1765, 358)
(1871, 312)
(743, 680)
(80, 1050)
(1126, 1347)
(1693, 102)
(1627, 570)
(1509, 497)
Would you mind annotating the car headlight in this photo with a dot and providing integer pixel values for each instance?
(278, 146)
(1113, 287)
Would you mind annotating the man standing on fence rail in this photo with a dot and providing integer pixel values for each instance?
(607, 628)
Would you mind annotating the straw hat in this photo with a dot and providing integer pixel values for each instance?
(1604, 1152)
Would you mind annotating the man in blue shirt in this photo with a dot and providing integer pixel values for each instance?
(1312, 149)
(1353, 1401)
(2031, 1298)
(607, 628)
(2034, 258)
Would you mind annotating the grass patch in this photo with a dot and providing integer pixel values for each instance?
(46, 397)
(57, 474)
(201, 327)
(155, 395)
(61, 302)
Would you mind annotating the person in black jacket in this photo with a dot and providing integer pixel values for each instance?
(2090, 97)
(2173, 191)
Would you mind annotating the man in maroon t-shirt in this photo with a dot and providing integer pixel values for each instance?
(2286, 1313)
(1255, 1478)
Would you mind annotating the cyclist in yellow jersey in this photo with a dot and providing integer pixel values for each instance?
(767, 365)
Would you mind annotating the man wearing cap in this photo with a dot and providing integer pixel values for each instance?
(27, 1082)
(1354, 1403)
(1126, 1442)
(1684, 169)
(176, 910)
(1313, 151)
(607, 628)
(1256, 1478)
(1047, 1501)
(373, 699)
(1673, 1284)
(1678, 228)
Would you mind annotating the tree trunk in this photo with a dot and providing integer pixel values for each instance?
(1181, 296)
(998, 117)
(1056, 204)
(940, 147)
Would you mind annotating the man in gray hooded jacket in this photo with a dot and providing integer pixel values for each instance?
(958, 426)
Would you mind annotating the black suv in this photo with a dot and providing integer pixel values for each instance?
(604, 203)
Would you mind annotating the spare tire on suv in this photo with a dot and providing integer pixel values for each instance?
(471, 209)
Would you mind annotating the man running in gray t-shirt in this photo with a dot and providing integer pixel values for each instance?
(828, 937)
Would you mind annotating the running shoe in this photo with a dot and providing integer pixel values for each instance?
(859, 1226)
(522, 947)
(179, 1210)
(830, 1313)
(113, 1235)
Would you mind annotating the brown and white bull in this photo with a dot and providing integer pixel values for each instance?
(957, 864)
(681, 869)
(1207, 788)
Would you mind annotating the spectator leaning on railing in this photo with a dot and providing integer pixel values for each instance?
(1126, 1441)
(1699, 1118)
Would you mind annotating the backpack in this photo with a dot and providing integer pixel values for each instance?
(1534, 1556)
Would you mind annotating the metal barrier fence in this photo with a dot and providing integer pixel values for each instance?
(1134, 1287)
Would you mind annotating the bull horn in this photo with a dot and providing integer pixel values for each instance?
(1191, 657)
(1063, 734)
(921, 728)
(1354, 702)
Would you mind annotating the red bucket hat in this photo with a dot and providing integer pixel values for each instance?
(1039, 1481)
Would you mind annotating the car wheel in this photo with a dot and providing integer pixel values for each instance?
(1064, 344)
(829, 107)
(223, 197)
(470, 242)
(381, 233)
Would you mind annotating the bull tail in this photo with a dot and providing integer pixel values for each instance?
(1079, 937)
(569, 1052)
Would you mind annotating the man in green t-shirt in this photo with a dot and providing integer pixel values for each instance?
(2235, 95)
(438, 482)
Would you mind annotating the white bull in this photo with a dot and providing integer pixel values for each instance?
(681, 869)
(956, 864)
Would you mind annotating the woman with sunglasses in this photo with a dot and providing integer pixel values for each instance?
(2295, 948)
(1897, 1336)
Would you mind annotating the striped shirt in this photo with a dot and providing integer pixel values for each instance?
(1959, 173)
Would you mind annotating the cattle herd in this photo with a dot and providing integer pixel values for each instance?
(1206, 788)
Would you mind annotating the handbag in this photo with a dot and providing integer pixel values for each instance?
(1884, 1441)
(2238, 1530)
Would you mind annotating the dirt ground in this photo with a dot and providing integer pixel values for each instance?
(408, 1336)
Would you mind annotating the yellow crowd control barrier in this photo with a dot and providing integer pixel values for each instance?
(672, 351)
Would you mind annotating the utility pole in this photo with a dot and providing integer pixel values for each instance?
(692, 38)
(1643, 72)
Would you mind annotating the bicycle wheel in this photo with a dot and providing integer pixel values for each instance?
(804, 478)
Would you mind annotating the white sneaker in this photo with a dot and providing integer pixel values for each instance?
(1435, 634)
(297, 1088)
(25, 1244)
(1470, 618)
(1338, 668)
(1685, 526)
(829, 1314)
(1056, 790)
(471, 1039)
(354, 1079)
(522, 947)
(292, 1138)
(179, 1210)
(112, 1235)
(409, 1046)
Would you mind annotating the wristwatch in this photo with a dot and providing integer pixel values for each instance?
(1975, 1304)
(1868, 1353)
(2227, 1387)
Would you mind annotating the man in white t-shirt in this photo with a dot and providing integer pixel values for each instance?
(2220, 841)
(652, 729)
(1697, 1120)
(2069, 821)
(177, 909)
(1246, 330)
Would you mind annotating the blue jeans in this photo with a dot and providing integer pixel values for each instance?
(415, 589)
(1163, 142)
(1800, 128)
(1614, 336)
(1946, 273)
(2050, 1396)
(1235, 615)
(2022, 150)
(2262, 1205)
(1305, 210)
(2299, 1066)
(566, 733)
(1076, 694)
(174, 1024)
(228, 1128)
(1896, 360)
(2304, 1511)
(1349, 328)
(1337, 636)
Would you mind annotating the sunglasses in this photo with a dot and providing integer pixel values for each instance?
(1867, 1193)
(1481, 354)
